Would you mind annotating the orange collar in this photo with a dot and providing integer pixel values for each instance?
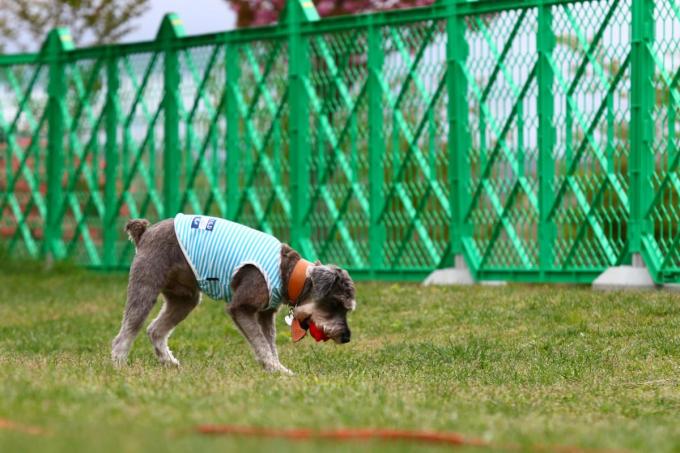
(297, 280)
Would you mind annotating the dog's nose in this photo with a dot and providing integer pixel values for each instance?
(345, 336)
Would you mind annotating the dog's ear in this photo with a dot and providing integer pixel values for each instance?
(345, 286)
(323, 278)
(349, 304)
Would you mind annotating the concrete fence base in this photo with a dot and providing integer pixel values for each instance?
(635, 276)
(457, 275)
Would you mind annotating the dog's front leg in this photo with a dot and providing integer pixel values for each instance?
(266, 319)
(245, 319)
(250, 296)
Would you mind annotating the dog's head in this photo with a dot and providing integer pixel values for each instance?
(327, 300)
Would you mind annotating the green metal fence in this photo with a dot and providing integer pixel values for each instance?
(534, 138)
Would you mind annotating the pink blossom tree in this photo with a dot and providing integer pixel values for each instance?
(264, 12)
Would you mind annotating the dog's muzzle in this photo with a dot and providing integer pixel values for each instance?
(345, 336)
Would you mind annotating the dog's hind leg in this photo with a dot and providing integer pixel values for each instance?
(143, 291)
(178, 305)
(159, 264)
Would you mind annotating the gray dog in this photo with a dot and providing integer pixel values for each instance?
(185, 256)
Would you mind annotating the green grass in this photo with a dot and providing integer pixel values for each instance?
(514, 366)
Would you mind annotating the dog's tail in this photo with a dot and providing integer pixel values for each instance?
(135, 228)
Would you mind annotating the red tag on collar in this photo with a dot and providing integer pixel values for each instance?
(297, 333)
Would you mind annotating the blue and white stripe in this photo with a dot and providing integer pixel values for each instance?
(216, 249)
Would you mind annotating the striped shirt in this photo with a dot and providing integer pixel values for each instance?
(216, 249)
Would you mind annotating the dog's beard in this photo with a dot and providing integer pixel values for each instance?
(334, 328)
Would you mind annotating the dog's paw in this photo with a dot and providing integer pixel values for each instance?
(286, 371)
(119, 361)
(165, 355)
(170, 362)
(278, 368)
(120, 346)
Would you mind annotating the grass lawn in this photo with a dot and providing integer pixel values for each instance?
(521, 365)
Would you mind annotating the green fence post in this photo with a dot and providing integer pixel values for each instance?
(640, 164)
(640, 159)
(297, 12)
(546, 137)
(234, 147)
(376, 147)
(58, 42)
(170, 32)
(110, 232)
(458, 138)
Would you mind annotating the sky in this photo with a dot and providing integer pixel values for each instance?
(199, 16)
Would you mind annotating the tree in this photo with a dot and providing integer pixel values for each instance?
(25, 23)
(263, 12)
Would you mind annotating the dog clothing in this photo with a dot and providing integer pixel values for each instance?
(216, 249)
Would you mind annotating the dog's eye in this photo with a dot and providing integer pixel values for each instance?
(333, 304)
(342, 303)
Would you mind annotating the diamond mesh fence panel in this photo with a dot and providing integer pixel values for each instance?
(592, 85)
(140, 96)
(82, 208)
(339, 212)
(23, 141)
(263, 151)
(416, 206)
(562, 118)
(203, 130)
(503, 155)
(664, 209)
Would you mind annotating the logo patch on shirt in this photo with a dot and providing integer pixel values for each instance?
(203, 223)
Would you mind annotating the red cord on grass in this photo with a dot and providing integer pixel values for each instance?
(344, 434)
(452, 439)
(13, 426)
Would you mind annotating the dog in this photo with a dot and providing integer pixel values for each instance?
(182, 258)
